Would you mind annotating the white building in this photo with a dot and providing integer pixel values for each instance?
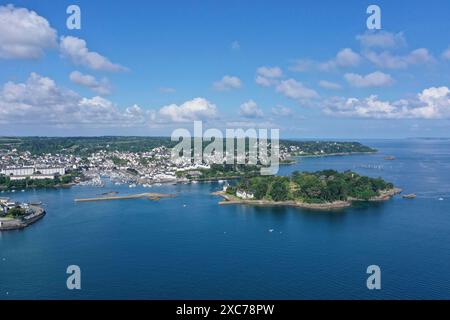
(19, 171)
(244, 195)
(28, 171)
(33, 177)
(51, 171)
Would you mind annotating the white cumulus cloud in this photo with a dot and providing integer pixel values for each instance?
(264, 82)
(268, 76)
(295, 90)
(77, 51)
(381, 39)
(39, 101)
(344, 58)
(270, 72)
(195, 109)
(302, 65)
(446, 54)
(282, 111)
(374, 79)
(227, 83)
(388, 60)
(24, 34)
(101, 87)
(431, 103)
(329, 85)
(250, 109)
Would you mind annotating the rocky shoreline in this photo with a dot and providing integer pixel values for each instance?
(14, 224)
(231, 200)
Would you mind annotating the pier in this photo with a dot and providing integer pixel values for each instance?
(148, 195)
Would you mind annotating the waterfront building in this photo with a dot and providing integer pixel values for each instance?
(244, 195)
(18, 171)
(51, 171)
(28, 171)
(33, 177)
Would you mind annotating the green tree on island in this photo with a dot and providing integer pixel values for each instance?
(313, 187)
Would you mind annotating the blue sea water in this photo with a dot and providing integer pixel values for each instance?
(191, 248)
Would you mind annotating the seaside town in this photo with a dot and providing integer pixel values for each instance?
(22, 168)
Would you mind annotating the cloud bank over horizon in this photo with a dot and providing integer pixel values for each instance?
(55, 79)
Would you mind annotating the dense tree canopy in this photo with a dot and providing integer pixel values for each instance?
(7, 183)
(16, 212)
(86, 145)
(314, 187)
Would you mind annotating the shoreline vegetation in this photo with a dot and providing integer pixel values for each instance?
(218, 172)
(321, 190)
(68, 180)
(233, 200)
(292, 159)
(336, 154)
(7, 224)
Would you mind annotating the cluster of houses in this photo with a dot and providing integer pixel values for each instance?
(6, 204)
(31, 213)
(149, 167)
(156, 165)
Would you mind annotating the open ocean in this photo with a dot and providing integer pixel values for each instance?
(189, 247)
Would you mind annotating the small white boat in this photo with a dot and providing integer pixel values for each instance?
(441, 199)
(270, 230)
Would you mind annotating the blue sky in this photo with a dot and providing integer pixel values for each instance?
(309, 68)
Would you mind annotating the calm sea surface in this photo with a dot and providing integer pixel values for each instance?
(191, 248)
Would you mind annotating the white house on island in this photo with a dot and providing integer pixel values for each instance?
(244, 195)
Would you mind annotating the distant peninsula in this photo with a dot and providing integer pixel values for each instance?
(321, 190)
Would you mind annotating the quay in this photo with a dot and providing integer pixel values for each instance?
(148, 195)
